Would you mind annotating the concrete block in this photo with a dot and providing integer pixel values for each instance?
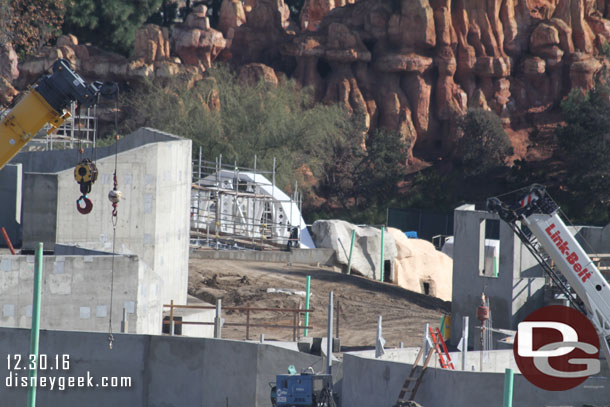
(85, 312)
(8, 310)
(40, 197)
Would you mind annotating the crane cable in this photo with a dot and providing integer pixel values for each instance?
(85, 171)
(114, 196)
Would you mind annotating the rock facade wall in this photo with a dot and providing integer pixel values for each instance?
(414, 65)
(410, 66)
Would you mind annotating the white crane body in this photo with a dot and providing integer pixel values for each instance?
(553, 244)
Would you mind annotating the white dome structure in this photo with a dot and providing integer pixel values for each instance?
(248, 205)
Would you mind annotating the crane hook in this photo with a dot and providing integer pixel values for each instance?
(88, 205)
(85, 174)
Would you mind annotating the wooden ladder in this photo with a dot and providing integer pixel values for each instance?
(440, 348)
(418, 379)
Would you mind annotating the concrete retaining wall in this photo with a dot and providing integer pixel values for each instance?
(165, 371)
(11, 177)
(76, 293)
(369, 382)
(39, 210)
(295, 256)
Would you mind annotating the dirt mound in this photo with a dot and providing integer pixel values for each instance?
(360, 301)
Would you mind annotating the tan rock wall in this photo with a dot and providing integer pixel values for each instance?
(419, 266)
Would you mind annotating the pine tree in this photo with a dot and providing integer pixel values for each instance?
(109, 24)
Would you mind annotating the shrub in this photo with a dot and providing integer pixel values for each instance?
(584, 146)
(484, 144)
(269, 121)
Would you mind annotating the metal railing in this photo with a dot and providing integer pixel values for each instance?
(218, 324)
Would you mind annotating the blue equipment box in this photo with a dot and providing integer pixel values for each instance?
(294, 390)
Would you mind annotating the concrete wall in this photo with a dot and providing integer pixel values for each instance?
(11, 177)
(295, 256)
(593, 239)
(518, 289)
(40, 210)
(154, 175)
(370, 382)
(165, 371)
(76, 293)
(59, 160)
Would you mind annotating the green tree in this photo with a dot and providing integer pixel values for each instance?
(364, 182)
(109, 24)
(382, 167)
(269, 121)
(484, 144)
(584, 144)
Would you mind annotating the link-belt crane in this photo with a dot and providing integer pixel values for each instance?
(46, 103)
(535, 220)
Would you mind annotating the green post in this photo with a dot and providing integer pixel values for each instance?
(508, 388)
(351, 251)
(381, 264)
(34, 334)
(307, 294)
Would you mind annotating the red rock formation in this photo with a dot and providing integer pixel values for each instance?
(258, 39)
(411, 66)
(7, 91)
(9, 72)
(252, 74)
(152, 44)
(389, 57)
(314, 11)
(232, 15)
(195, 42)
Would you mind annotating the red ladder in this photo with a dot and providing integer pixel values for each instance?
(441, 349)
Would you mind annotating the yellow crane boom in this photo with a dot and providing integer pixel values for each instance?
(45, 103)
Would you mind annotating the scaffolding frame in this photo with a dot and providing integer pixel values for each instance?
(237, 207)
(80, 127)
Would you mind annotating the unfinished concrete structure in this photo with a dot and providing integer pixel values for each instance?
(515, 291)
(152, 233)
(76, 293)
(370, 381)
(11, 178)
(517, 288)
(163, 371)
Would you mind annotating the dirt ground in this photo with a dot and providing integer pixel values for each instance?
(360, 300)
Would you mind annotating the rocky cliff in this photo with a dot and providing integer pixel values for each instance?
(413, 65)
(408, 65)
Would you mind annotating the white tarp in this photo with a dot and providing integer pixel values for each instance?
(246, 213)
